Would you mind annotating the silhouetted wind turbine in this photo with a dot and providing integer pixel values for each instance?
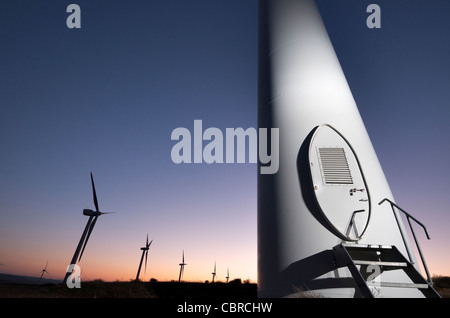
(144, 251)
(43, 271)
(214, 272)
(182, 264)
(93, 215)
(228, 275)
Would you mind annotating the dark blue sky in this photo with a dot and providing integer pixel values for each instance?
(106, 97)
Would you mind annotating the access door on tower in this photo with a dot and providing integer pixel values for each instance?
(338, 184)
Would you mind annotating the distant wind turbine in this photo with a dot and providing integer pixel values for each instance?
(228, 275)
(93, 215)
(214, 272)
(144, 251)
(182, 264)
(43, 272)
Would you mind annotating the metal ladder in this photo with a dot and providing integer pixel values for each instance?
(380, 259)
(359, 258)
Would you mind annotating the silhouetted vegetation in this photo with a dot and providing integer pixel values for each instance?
(209, 290)
(131, 289)
(442, 285)
(90, 289)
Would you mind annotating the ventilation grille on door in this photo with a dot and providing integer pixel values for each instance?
(334, 166)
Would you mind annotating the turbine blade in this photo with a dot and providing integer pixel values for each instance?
(146, 242)
(82, 239)
(88, 235)
(94, 194)
(148, 245)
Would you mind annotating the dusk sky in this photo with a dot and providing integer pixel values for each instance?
(106, 97)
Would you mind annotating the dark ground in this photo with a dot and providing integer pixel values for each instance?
(161, 290)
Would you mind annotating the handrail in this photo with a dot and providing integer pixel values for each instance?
(409, 217)
(347, 233)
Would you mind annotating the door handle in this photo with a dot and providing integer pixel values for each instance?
(354, 190)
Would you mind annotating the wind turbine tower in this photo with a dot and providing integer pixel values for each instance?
(228, 275)
(214, 272)
(182, 264)
(327, 215)
(144, 252)
(93, 216)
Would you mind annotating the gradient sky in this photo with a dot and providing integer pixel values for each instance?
(105, 98)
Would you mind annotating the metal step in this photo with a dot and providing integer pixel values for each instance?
(366, 246)
(397, 285)
(380, 263)
(388, 258)
(376, 255)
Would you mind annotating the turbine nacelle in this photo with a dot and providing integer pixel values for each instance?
(147, 245)
(90, 212)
